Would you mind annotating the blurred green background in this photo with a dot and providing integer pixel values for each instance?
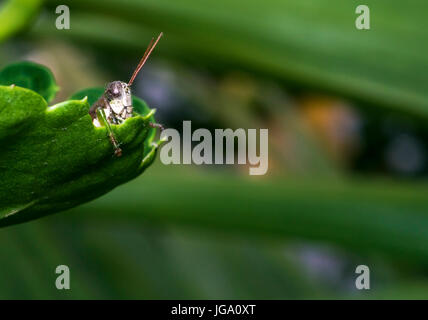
(347, 112)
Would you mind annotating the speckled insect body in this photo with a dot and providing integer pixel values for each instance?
(120, 101)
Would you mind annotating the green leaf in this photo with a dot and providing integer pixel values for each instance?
(15, 15)
(53, 158)
(31, 76)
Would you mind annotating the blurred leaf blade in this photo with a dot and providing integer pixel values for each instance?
(16, 15)
(379, 216)
(303, 42)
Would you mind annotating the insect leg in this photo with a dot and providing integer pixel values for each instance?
(117, 149)
(152, 124)
(93, 110)
(156, 125)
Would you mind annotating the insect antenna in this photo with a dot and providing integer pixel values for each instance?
(144, 58)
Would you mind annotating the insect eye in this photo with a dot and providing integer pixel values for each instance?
(114, 92)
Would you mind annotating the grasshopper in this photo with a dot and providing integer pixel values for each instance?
(115, 105)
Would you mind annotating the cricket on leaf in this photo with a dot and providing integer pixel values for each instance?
(115, 105)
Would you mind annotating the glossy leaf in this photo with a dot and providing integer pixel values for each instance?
(53, 158)
(31, 76)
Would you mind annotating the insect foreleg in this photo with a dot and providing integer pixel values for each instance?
(117, 149)
(93, 111)
(156, 125)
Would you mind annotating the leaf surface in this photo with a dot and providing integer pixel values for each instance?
(52, 157)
